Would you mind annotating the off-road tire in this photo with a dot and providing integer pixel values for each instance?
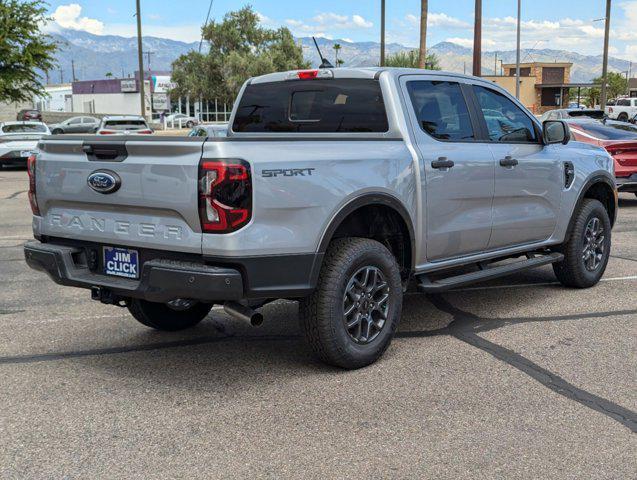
(572, 271)
(322, 313)
(161, 317)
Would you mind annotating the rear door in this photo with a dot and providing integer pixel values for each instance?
(457, 173)
(155, 207)
(528, 175)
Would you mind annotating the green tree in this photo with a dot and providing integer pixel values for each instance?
(109, 75)
(411, 60)
(23, 50)
(239, 49)
(617, 86)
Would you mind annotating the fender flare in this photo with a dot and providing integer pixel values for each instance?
(364, 200)
(610, 182)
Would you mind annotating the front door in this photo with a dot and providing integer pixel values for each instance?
(528, 174)
(457, 172)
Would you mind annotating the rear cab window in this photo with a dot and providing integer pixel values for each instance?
(125, 124)
(312, 106)
(26, 128)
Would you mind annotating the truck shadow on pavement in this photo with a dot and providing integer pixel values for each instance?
(464, 326)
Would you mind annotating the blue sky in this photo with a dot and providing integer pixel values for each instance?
(562, 24)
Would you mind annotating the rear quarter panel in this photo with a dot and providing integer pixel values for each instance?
(292, 211)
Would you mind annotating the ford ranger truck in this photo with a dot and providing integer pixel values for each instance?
(335, 187)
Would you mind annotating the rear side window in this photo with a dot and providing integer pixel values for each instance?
(441, 110)
(506, 121)
(623, 102)
(312, 106)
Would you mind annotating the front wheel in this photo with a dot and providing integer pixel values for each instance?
(169, 317)
(587, 252)
(350, 319)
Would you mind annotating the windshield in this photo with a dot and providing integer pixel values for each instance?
(125, 124)
(24, 128)
(610, 131)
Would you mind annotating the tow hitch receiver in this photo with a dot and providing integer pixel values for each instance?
(107, 297)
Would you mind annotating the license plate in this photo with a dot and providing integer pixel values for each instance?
(121, 262)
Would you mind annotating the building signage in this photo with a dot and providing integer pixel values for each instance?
(162, 84)
(129, 85)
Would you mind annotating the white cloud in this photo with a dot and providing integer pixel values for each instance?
(468, 42)
(441, 20)
(328, 22)
(69, 16)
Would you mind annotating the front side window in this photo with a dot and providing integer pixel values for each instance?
(441, 110)
(506, 122)
(345, 105)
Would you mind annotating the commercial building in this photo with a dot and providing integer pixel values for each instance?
(543, 85)
(111, 96)
(632, 87)
(58, 98)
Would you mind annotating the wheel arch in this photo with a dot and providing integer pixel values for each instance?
(601, 188)
(361, 216)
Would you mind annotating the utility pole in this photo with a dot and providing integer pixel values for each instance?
(603, 97)
(477, 40)
(517, 53)
(495, 68)
(422, 60)
(382, 33)
(148, 54)
(73, 70)
(140, 58)
(61, 76)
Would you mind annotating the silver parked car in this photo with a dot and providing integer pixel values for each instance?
(123, 125)
(75, 125)
(334, 187)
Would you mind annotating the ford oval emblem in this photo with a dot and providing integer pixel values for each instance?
(104, 181)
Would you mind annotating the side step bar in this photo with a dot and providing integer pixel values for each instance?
(427, 286)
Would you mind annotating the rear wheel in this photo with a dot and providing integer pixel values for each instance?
(57, 131)
(169, 317)
(587, 252)
(623, 117)
(350, 319)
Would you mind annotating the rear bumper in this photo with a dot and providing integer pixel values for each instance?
(14, 161)
(160, 280)
(627, 184)
(167, 276)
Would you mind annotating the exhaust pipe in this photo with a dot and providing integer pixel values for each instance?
(244, 313)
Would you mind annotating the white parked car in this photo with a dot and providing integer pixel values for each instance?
(218, 130)
(19, 140)
(179, 120)
(123, 125)
(623, 110)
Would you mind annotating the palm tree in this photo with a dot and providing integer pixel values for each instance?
(422, 59)
(337, 48)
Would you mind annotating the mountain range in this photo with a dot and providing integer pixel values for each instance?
(95, 56)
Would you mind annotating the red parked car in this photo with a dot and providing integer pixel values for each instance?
(619, 139)
(29, 115)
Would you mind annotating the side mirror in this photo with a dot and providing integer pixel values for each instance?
(556, 131)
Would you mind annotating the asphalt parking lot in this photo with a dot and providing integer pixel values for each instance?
(519, 378)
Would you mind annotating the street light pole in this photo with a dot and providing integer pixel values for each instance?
(604, 93)
(517, 54)
(477, 40)
(422, 61)
(140, 58)
(382, 33)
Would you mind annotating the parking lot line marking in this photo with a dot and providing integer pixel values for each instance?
(464, 329)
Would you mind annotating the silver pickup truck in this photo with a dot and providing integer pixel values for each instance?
(336, 187)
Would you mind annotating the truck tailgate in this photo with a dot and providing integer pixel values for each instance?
(155, 206)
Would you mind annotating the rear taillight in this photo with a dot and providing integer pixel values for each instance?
(32, 198)
(225, 195)
(610, 109)
(106, 132)
(145, 132)
(620, 148)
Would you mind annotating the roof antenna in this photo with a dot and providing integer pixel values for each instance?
(326, 63)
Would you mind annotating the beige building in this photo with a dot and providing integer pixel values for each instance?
(632, 87)
(543, 85)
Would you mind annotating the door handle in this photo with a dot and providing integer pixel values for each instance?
(508, 161)
(442, 162)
